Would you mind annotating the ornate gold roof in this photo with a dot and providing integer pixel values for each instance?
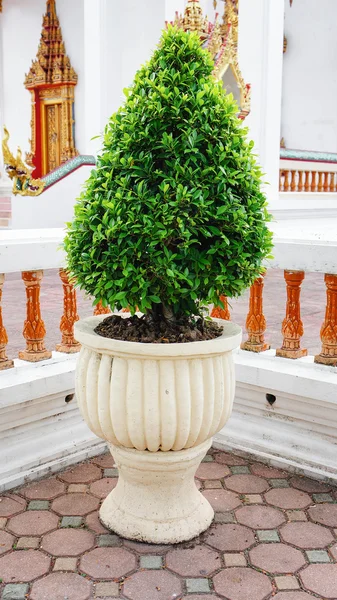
(193, 19)
(52, 65)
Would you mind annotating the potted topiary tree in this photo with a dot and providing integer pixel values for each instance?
(172, 216)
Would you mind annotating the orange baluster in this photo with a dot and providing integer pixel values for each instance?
(293, 181)
(281, 184)
(286, 181)
(69, 317)
(292, 326)
(5, 363)
(320, 181)
(34, 330)
(300, 181)
(307, 181)
(313, 181)
(101, 310)
(221, 313)
(328, 355)
(256, 322)
(332, 182)
(326, 182)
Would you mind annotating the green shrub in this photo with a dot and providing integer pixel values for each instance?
(173, 215)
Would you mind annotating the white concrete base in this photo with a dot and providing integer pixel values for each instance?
(156, 499)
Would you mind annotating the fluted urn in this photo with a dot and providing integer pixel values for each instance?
(158, 406)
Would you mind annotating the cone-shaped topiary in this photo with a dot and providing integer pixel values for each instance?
(173, 214)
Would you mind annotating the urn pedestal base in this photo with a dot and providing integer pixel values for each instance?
(156, 499)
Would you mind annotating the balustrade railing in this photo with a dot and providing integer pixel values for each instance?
(292, 327)
(308, 172)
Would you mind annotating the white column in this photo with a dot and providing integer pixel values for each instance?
(261, 25)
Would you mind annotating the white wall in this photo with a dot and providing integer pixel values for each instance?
(309, 106)
(22, 25)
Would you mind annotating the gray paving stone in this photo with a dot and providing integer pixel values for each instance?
(72, 521)
(318, 556)
(208, 458)
(151, 562)
(38, 505)
(268, 535)
(108, 540)
(197, 585)
(322, 498)
(15, 591)
(224, 518)
(278, 483)
(110, 472)
(240, 470)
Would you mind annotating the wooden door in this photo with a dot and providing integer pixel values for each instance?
(51, 136)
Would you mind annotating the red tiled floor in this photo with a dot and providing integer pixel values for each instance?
(233, 560)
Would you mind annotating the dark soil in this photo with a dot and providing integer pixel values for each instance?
(144, 329)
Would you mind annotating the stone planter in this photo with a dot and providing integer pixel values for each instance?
(158, 406)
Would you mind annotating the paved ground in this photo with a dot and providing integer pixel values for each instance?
(274, 537)
(313, 308)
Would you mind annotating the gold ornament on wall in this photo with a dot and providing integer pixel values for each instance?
(51, 81)
(19, 172)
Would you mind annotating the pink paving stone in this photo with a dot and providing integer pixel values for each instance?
(103, 487)
(288, 498)
(260, 517)
(242, 583)
(222, 500)
(11, 505)
(33, 522)
(277, 558)
(23, 565)
(152, 585)
(309, 485)
(193, 562)
(267, 472)
(108, 563)
(74, 505)
(326, 514)
(230, 537)
(230, 459)
(6, 542)
(94, 523)
(59, 586)
(209, 470)
(44, 490)
(247, 484)
(68, 542)
(306, 535)
(85, 473)
(105, 461)
(321, 579)
(146, 548)
(333, 551)
(200, 597)
(293, 596)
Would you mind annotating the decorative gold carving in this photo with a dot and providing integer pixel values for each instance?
(16, 169)
(5, 363)
(101, 310)
(328, 355)
(221, 313)
(51, 76)
(285, 44)
(292, 326)
(69, 317)
(34, 330)
(193, 19)
(256, 322)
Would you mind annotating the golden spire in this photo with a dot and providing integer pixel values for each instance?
(52, 65)
(231, 20)
(194, 20)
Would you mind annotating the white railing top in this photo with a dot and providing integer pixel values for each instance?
(302, 245)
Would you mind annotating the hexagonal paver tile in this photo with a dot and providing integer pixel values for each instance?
(6, 542)
(260, 517)
(230, 459)
(33, 523)
(75, 504)
(292, 596)
(105, 461)
(68, 542)
(23, 565)
(268, 472)
(103, 487)
(193, 562)
(44, 490)
(142, 548)
(306, 535)
(230, 537)
(320, 579)
(85, 473)
(107, 563)
(309, 485)
(326, 514)
(212, 470)
(242, 583)
(277, 558)
(11, 505)
(59, 586)
(222, 500)
(333, 551)
(93, 522)
(247, 484)
(288, 498)
(157, 585)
